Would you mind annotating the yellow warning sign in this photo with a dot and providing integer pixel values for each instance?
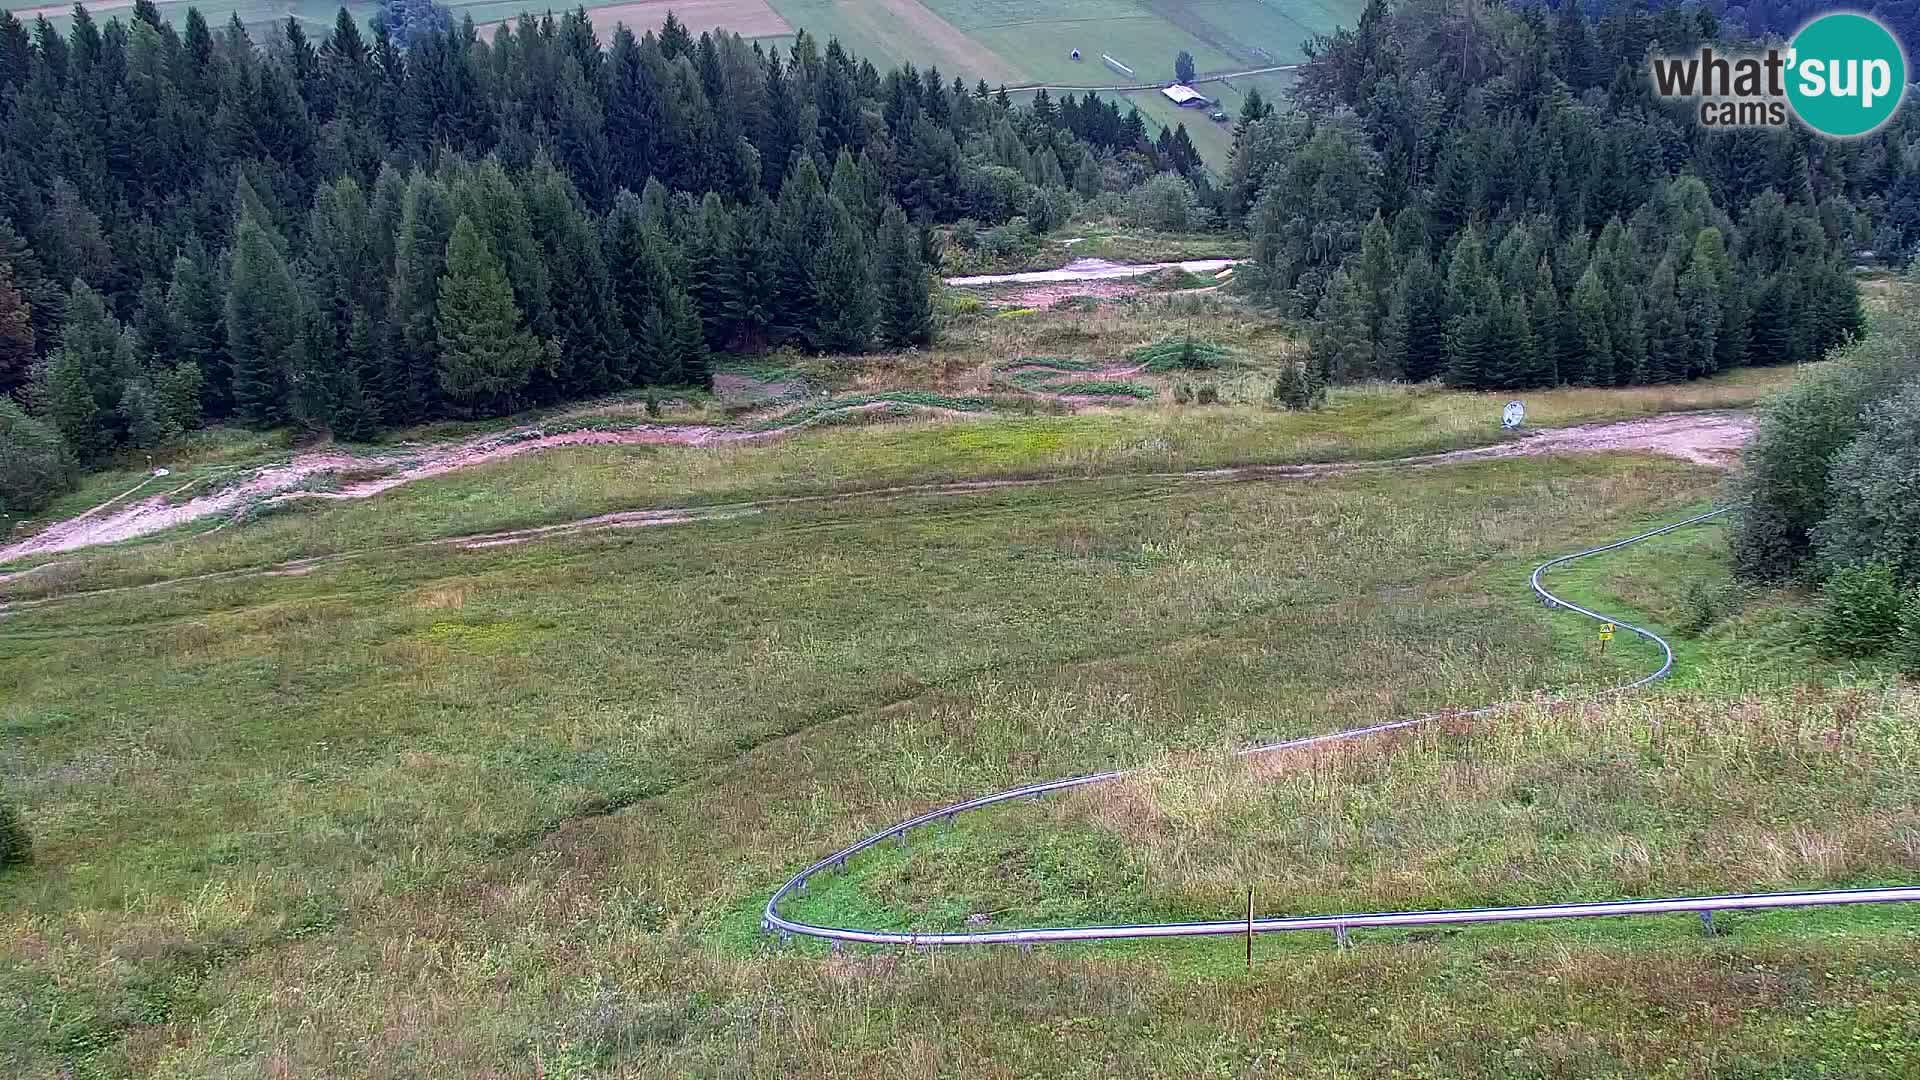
(1606, 631)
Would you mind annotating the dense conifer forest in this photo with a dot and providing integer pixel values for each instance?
(1493, 196)
(402, 221)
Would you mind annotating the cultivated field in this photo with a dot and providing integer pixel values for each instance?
(748, 18)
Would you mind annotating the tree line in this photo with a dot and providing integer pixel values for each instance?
(406, 222)
(1493, 197)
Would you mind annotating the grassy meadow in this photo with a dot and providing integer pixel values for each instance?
(513, 811)
(1013, 435)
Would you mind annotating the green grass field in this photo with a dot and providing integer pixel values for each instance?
(512, 811)
(259, 16)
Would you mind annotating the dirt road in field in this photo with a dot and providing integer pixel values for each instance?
(1091, 270)
(334, 474)
(1707, 438)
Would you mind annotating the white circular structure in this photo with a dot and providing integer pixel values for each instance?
(1513, 415)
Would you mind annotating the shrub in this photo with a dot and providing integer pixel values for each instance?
(1048, 209)
(1297, 389)
(16, 847)
(1906, 648)
(1183, 392)
(1783, 489)
(1873, 513)
(35, 464)
(1861, 611)
(1208, 394)
(966, 233)
(1166, 202)
(1182, 353)
(1706, 604)
(1004, 240)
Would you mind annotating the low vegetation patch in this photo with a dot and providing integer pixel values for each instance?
(821, 408)
(1183, 353)
(1103, 388)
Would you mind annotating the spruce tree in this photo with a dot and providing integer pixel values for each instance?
(1550, 328)
(1419, 320)
(16, 332)
(1592, 313)
(1338, 349)
(486, 355)
(1473, 299)
(264, 326)
(198, 313)
(1515, 358)
(1373, 277)
(845, 306)
(803, 224)
(906, 303)
(714, 282)
(80, 388)
(1668, 347)
(1701, 305)
(586, 329)
(407, 390)
(754, 308)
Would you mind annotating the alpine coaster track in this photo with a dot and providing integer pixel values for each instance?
(774, 922)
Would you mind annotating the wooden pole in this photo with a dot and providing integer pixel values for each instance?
(1249, 929)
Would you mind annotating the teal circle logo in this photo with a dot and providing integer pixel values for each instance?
(1846, 75)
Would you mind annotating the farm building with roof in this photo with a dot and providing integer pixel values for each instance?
(1185, 96)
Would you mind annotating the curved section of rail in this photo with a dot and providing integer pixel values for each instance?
(774, 922)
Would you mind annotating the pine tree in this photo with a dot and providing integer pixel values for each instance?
(356, 414)
(1515, 353)
(850, 188)
(1088, 181)
(486, 355)
(142, 422)
(753, 308)
(906, 304)
(1253, 110)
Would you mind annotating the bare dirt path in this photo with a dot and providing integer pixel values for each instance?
(1707, 438)
(1091, 270)
(303, 477)
(1203, 77)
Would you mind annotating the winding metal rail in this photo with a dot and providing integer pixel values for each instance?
(774, 922)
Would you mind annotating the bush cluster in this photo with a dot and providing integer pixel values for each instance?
(35, 464)
(16, 847)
